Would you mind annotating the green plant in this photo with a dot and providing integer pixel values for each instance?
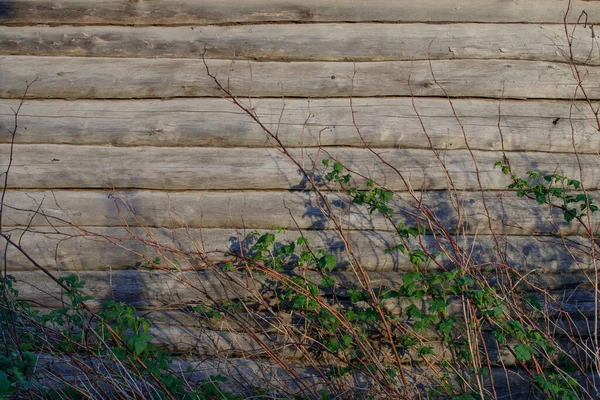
(110, 347)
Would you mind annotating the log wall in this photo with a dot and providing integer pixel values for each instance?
(124, 118)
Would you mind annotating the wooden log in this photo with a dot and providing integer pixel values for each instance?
(383, 123)
(126, 78)
(188, 12)
(149, 290)
(245, 374)
(315, 42)
(117, 248)
(106, 249)
(169, 168)
(552, 322)
(461, 212)
(197, 343)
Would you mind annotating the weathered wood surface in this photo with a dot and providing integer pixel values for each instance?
(463, 212)
(564, 316)
(151, 290)
(188, 12)
(245, 373)
(393, 122)
(169, 168)
(105, 249)
(124, 78)
(320, 42)
(199, 343)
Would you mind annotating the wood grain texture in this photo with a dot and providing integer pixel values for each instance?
(125, 78)
(249, 11)
(105, 249)
(174, 290)
(509, 383)
(463, 212)
(167, 168)
(55, 371)
(316, 42)
(383, 122)
(199, 343)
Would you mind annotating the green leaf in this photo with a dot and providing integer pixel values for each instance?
(413, 311)
(569, 215)
(266, 239)
(446, 326)
(523, 352)
(4, 384)
(541, 198)
(425, 350)
(327, 281)
(228, 267)
(140, 344)
(347, 340)
(411, 277)
(327, 262)
(302, 241)
(533, 301)
(333, 345)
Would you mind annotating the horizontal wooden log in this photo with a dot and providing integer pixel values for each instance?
(192, 337)
(463, 212)
(149, 290)
(320, 42)
(169, 168)
(125, 78)
(559, 318)
(88, 249)
(198, 342)
(245, 375)
(383, 122)
(508, 383)
(188, 12)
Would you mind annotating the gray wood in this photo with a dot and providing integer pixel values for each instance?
(575, 324)
(169, 168)
(545, 262)
(510, 383)
(389, 122)
(317, 42)
(118, 78)
(289, 210)
(105, 249)
(189, 12)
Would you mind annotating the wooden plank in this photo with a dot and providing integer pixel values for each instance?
(188, 12)
(384, 122)
(169, 168)
(315, 42)
(124, 78)
(463, 213)
(107, 249)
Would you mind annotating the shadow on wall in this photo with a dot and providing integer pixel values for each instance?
(7, 8)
